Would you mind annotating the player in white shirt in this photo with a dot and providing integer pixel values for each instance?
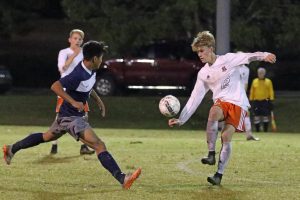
(68, 59)
(221, 75)
(244, 71)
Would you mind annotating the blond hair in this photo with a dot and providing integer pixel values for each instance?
(204, 38)
(80, 32)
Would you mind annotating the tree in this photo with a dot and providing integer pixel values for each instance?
(128, 23)
(272, 25)
(16, 17)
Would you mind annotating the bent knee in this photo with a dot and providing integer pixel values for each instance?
(215, 114)
(49, 136)
(226, 136)
(225, 139)
(99, 146)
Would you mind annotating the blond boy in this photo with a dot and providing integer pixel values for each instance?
(221, 75)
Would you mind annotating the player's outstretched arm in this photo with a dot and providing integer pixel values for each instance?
(271, 58)
(99, 102)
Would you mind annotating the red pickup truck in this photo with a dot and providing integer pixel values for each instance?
(156, 66)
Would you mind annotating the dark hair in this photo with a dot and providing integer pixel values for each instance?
(93, 48)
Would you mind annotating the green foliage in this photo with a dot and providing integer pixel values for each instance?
(133, 23)
(268, 169)
(268, 25)
(271, 25)
(17, 17)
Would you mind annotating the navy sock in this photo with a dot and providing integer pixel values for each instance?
(266, 126)
(110, 164)
(30, 141)
(257, 126)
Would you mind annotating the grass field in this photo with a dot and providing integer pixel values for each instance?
(128, 112)
(170, 159)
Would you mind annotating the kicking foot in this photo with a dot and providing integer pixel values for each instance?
(209, 160)
(252, 138)
(84, 150)
(130, 178)
(7, 154)
(53, 149)
(215, 180)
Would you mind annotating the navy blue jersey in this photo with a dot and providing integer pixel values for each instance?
(78, 85)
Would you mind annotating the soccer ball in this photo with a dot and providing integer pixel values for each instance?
(169, 106)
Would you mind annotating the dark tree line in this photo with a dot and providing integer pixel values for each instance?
(255, 24)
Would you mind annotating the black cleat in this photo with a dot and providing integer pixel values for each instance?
(53, 149)
(215, 180)
(84, 150)
(210, 159)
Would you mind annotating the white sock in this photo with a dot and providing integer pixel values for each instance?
(265, 119)
(248, 126)
(211, 135)
(224, 157)
(54, 142)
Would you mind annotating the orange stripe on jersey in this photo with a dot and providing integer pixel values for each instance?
(86, 107)
(233, 114)
(58, 103)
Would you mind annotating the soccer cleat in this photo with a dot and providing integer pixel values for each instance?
(53, 149)
(130, 178)
(209, 160)
(84, 150)
(252, 138)
(215, 180)
(7, 154)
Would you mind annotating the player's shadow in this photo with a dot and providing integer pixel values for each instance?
(50, 159)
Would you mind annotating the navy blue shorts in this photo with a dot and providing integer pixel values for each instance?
(261, 108)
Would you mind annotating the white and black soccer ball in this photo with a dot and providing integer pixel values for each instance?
(169, 106)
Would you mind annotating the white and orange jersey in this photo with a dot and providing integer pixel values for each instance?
(223, 79)
(62, 58)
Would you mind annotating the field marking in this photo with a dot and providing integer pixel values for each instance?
(184, 167)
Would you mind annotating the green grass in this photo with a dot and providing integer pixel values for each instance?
(268, 169)
(128, 112)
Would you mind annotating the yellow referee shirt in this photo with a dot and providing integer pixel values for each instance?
(261, 89)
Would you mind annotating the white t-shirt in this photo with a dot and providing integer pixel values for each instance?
(244, 71)
(223, 79)
(62, 58)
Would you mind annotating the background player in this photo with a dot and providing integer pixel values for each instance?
(244, 71)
